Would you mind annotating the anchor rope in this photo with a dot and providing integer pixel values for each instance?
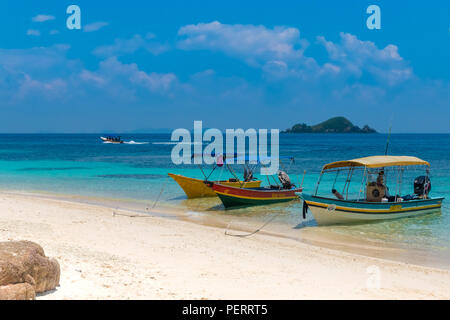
(130, 215)
(160, 192)
(250, 233)
(152, 207)
(244, 235)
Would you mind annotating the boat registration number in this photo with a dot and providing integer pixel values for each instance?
(395, 207)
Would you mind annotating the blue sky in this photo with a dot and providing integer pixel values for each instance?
(253, 64)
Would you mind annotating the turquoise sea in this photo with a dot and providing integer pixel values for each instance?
(134, 175)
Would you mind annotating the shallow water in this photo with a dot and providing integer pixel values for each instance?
(136, 173)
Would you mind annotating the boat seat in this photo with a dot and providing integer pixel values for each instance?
(405, 198)
(392, 198)
(408, 197)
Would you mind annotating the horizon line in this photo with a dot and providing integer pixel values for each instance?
(165, 132)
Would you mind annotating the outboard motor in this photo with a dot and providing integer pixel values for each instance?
(285, 180)
(248, 175)
(422, 185)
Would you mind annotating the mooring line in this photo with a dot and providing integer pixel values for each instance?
(130, 215)
(160, 192)
(147, 208)
(243, 235)
(257, 230)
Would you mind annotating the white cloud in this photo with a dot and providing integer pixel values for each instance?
(278, 51)
(128, 46)
(53, 32)
(95, 26)
(33, 32)
(47, 73)
(27, 86)
(93, 77)
(204, 74)
(356, 57)
(35, 72)
(130, 74)
(253, 43)
(42, 18)
(37, 59)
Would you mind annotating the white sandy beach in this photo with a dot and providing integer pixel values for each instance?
(116, 257)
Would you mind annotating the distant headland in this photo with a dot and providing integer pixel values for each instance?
(333, 125)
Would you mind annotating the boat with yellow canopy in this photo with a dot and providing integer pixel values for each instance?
(199, 188)
(373, 201)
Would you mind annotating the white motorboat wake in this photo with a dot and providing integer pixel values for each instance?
(134, 142)
(106, 140)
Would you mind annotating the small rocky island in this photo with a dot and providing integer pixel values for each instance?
(333, 125)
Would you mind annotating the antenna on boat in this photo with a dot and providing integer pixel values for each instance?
(387, 142)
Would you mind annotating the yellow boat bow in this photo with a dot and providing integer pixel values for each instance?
(196, 188)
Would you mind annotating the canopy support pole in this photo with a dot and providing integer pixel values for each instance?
(335, 179)
(349, 180)
(318, 183)
(396, 189)
(401, 181)
(362, 183)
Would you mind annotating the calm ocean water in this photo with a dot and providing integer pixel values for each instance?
(83, 165)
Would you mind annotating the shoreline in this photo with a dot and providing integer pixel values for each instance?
(118, 257)
(317, 236)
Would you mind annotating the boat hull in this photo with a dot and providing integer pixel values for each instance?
(234, 197)
(196, 188)
(327, 211)
(110, 141)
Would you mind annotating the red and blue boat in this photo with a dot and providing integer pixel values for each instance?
(233, 197)
(239, 197)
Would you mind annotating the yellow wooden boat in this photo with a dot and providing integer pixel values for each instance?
(196, 188)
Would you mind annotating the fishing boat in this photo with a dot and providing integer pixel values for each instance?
(373, 202)
(199, 188)
(110, 139)
(239, 197)
(281, 190)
